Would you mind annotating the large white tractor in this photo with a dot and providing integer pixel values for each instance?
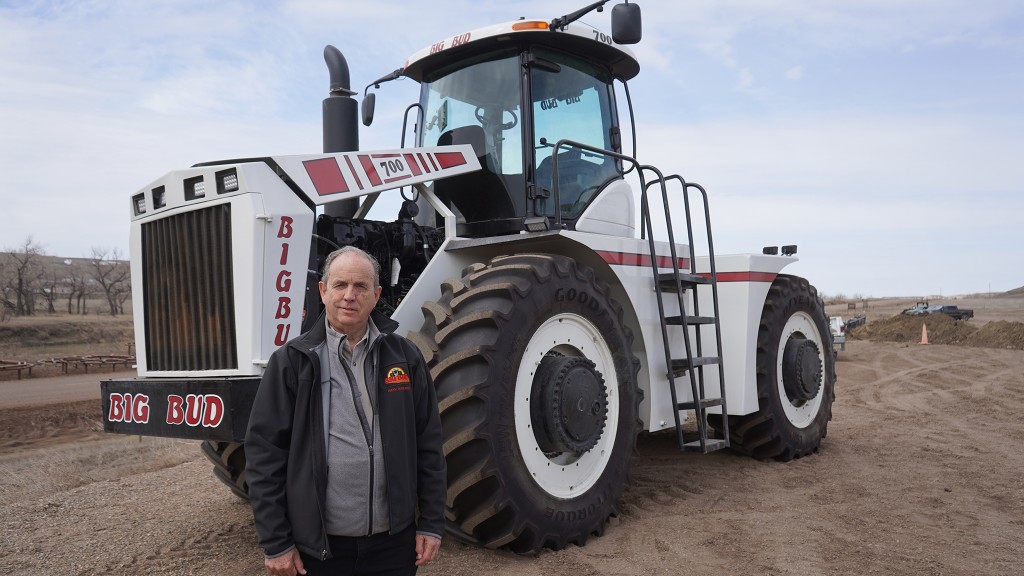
(523, 263)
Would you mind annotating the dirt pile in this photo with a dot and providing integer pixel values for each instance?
(999, 334)
(942, 330)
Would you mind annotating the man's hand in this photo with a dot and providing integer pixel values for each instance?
(426, 548)
(287, 564)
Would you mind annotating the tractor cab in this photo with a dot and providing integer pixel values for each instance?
(516, 92)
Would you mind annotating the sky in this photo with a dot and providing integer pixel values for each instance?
(884, 137)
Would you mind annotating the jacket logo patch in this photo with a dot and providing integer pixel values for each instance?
(396, 380)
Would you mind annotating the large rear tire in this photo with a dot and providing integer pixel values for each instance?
(228, 465)
(537, 392)
(795, 376)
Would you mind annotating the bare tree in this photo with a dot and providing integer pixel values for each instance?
(50, 285)
(112, 275)
(77, 287)
(6, 287)
(23, 275)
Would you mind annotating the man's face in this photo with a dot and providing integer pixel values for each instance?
(349, 295)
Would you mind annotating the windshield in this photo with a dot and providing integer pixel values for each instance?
(574, 103)
(479, 103)
(485, 98)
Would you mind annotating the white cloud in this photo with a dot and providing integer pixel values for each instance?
(795, 73)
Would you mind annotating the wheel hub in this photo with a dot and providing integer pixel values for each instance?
(568, 404)
(801, 369)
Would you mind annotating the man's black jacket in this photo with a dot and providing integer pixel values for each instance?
(286, 457)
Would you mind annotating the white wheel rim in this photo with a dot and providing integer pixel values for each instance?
(800, 325)
(566, 476)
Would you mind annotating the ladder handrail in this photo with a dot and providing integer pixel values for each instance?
(685, 186)
(646, 218)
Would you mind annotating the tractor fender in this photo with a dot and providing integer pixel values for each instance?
(615, 260)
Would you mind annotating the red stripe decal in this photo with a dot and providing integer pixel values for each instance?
(371, 172)
(450, 159)
(326, 176)
(433, 162)
(413, 165)
(424, 163)
(397, 178)
(352, 170)
(629, 259)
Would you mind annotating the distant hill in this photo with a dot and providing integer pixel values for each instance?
(1016, 292)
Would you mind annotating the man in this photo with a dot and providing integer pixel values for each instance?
(344, 440)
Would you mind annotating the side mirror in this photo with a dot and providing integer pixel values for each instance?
(626, 27)
(367, 108)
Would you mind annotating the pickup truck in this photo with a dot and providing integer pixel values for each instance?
(955, 312)
(838, 329)
(920, 308)
(858, 320)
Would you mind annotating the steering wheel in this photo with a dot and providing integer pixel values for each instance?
(484, 122)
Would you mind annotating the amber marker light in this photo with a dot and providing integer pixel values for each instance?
(530, 25)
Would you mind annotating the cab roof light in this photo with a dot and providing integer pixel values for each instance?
(159, 197)
(139, 204)
(227, 181)
(195, 188)
(530, 25)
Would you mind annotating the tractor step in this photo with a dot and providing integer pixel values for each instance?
(681, 366)
(667, 281)
(689, 320)
(704, 403)
(710, 445)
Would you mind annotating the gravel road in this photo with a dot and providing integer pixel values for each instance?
(920, 474)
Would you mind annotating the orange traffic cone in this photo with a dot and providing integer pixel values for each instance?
(924, 333)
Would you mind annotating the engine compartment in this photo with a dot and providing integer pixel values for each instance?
(402, 247)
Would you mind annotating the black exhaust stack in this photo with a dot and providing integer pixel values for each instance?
(341, 121)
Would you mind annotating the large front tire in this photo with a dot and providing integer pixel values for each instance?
(537, 391)
(228, 460)
(795, 376)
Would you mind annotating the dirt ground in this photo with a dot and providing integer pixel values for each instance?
(922, 473)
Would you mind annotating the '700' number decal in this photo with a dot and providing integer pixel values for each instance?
(393, 167)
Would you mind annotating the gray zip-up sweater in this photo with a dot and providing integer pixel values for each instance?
(357, 503)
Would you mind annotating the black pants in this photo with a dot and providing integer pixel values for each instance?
(380, 555)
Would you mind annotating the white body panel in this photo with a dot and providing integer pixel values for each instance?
(743, 283)
(258, 209)
(612, 213)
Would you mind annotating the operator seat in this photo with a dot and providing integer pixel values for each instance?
(575, 176)
(479, 195)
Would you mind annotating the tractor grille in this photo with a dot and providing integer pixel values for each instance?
(188, 292)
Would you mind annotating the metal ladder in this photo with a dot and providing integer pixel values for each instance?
(683, 285)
